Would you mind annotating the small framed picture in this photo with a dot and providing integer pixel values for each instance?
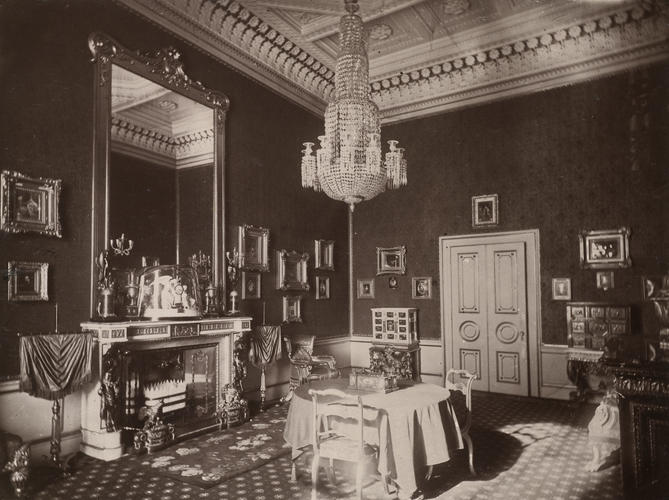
(365, 289)
(607, 249)
(29, 205)
(28, 281)
(292, 309)
(253, 248)
(561, 288)
(421, 288)
(485, 210)
(393, 284)
(291, 270)
(391, 260)
(324, 255)
(605, 280)
(251, 285)
(322, 287)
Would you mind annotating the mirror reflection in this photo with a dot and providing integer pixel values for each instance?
(161, 171)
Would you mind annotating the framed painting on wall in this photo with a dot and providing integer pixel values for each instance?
(561, 288)
(365, 289)
(253, 248)
(421, 287)
(29, 205)
(322, 287)
(292, 309)
(605, 249)
(291, 270)
(485, 210)
(324, 255)
(251, 285)
(391, 260)
(28, 281)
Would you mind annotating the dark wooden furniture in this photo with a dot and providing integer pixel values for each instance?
(588, 323)
(403, 361)
(644, 427)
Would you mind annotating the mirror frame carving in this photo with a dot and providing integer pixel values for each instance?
(165, 68)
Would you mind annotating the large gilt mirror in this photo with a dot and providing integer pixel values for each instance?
(158, 172)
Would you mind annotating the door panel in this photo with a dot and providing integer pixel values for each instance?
(468, 305)
(507, 339)
(488, 309)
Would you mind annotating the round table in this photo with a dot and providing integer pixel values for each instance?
(422, 429)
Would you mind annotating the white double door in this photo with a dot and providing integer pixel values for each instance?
(485, 291)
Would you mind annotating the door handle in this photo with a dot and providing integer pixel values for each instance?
(522, 335)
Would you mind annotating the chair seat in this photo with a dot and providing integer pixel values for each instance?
(344, 448)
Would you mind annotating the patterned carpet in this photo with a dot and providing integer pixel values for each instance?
(524, 449)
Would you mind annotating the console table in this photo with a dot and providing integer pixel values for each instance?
(644, 427)
(215, 337)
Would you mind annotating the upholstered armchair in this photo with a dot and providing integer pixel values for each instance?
(305, 365)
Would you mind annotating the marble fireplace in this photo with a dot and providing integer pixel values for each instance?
(183, 365)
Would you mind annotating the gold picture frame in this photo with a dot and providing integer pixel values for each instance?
(605, 249)
(561, 288)
(251, 285)
(29, 204)
(292, 309)
(291, 270)
(421, 287)
(322, 287)
(324, 255)
(366, 289)
(253, 244)
(391, 260)
(485, 210)
(27, 281)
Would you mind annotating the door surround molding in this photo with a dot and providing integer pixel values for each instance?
(530, 238)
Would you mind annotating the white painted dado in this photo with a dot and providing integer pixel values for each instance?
(554, 381)
(30, 418)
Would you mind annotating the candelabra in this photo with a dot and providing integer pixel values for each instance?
(119, 245)
(233, 259)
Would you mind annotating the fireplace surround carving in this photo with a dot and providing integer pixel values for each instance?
(159, 380)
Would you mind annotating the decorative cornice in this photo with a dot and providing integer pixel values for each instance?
(582, 51)
(610, 42)
(240, 39)
(188, 150)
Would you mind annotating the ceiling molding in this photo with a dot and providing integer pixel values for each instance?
(491, 61)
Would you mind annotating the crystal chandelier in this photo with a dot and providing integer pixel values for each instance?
(347, 165)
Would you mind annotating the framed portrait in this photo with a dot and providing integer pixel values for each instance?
(251, 285)
(365, 289)
(607, 249)
(391, 260)
(421, 287)
(29, 205)
(393, 283)
(27, 281)
(485, 210)
(324, 255)
(291, 270)
(605, 280)
(292, 309)
(561, 288)
(322, 287)
(253, 248)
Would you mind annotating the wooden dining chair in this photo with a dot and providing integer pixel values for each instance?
(333, 445)
(461, 381)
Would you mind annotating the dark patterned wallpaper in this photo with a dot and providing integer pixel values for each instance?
(559, 161)
(46, 98)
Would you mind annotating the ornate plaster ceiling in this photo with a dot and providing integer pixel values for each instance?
(159, 125)
(426, 56)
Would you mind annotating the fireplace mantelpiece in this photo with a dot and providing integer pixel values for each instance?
(136, 336)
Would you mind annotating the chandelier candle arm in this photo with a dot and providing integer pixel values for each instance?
(348, 164)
